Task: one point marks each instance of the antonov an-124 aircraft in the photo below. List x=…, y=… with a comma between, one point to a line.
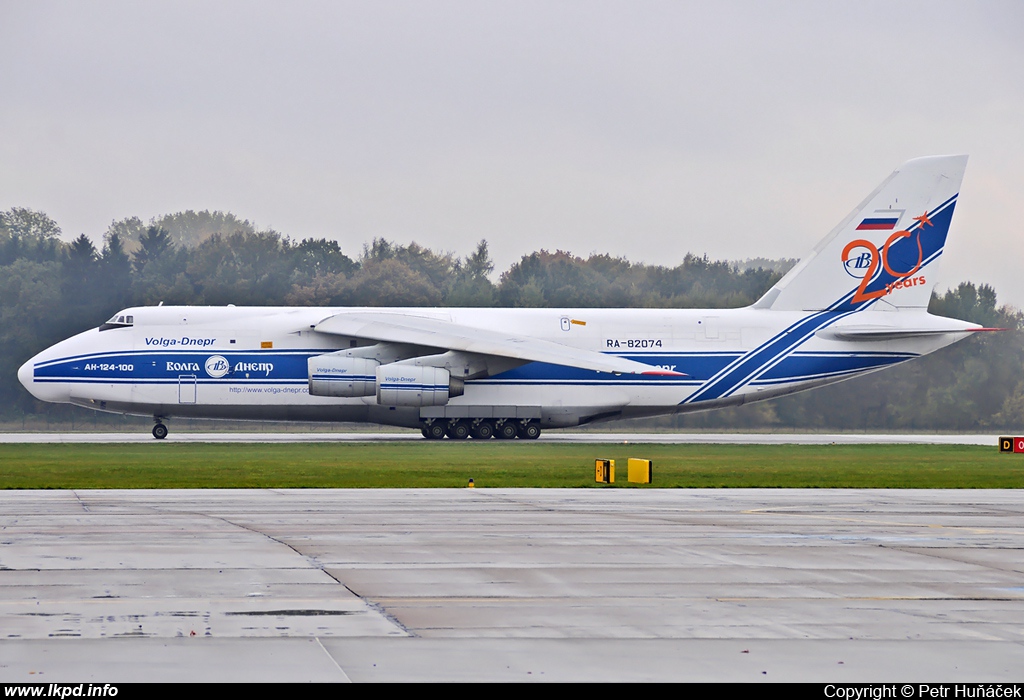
x=857, y=303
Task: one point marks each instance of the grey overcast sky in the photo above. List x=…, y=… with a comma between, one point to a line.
x=641, y=129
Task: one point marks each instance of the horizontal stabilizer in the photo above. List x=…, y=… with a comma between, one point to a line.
x=437, y=333
x=891, y=333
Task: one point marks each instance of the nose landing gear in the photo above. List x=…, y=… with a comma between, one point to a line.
x=159, y=430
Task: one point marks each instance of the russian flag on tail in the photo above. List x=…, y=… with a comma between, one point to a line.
x=882, y=220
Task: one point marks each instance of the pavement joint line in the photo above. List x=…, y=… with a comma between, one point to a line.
x=333, y=660
x=372, y=604
x=316, y=564
x=605, y=601
x=309, y=560
x=887, y=523
x=386, y=614
x=943, y=555
x=81, y=502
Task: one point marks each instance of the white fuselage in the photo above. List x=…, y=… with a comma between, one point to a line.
x=251, y=362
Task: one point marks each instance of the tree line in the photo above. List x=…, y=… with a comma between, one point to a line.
x=50, y=289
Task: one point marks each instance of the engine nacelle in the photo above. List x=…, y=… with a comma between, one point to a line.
x=333, y=375
x=408, y=385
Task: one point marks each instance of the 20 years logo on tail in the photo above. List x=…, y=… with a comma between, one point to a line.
x=862, y=258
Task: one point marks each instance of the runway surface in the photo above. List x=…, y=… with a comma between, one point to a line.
x=523, y=585
x=549, y=436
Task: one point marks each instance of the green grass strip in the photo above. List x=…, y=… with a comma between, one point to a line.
x=500, y=464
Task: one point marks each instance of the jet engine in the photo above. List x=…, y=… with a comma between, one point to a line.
x=336, y=375
x=408, y=385
x=395, y=384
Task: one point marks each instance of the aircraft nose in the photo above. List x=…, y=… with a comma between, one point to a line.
x=46, y=375
x=25, y=377
x=41, y=390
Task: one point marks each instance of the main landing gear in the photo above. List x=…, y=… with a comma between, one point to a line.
x=159, y=430
x=480, y=429
x=433, y=430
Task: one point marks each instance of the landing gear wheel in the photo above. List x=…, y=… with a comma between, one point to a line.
x=159, y=431
x=506, y=430
x=434, y=431
x=459, y=430
x=483, y=430
x=529, y=431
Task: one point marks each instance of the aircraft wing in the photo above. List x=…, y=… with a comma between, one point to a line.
x=437, y=333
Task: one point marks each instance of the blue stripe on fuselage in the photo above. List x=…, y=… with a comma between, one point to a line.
x=811, y=365
x=152, y=368
x=146, y=367
x=696, y=366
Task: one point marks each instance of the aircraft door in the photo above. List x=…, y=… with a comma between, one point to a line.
x=186, y=388
x=709, y=328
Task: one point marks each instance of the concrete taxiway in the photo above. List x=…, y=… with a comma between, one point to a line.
x=550, y=436
x=495, y=584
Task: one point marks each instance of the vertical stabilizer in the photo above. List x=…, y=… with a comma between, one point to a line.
x=886, y=250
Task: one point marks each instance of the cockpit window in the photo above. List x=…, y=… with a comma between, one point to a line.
x=118, y=321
